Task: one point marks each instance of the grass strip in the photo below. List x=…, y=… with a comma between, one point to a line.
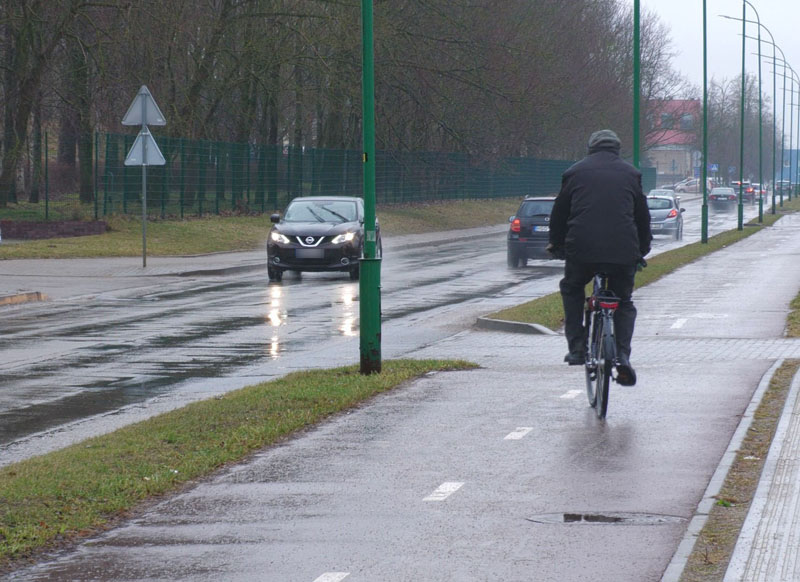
x=59, y=496
x=549, y=312
x=192, y=236
x=715, y=544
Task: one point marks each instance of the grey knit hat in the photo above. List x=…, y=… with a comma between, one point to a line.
x=605, y=138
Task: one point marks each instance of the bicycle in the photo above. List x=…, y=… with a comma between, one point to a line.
x=600, y=341
x=601, y=344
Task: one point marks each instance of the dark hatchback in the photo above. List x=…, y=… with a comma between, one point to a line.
x=723, y=198
x=318, y=233
x=529, y=231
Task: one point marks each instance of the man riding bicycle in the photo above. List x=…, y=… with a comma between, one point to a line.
x=600, y=223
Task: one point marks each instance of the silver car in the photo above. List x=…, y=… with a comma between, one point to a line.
x=666, y=217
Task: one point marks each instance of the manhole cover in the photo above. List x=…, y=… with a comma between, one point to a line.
x=606, y=518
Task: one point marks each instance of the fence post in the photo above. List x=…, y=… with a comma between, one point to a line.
x=46, y=180
x=183, y=175
x=96, y=164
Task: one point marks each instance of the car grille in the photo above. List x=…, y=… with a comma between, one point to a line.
x=309, y=241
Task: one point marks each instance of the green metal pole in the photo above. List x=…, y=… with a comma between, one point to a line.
x=760, y=125
x=791, y=136
x=797, y=156
x=637, y=80
x=370, y=267
x=704, y=209
x=46, y=180
x=96, y=164
x=774, y=121
x=783, y=126
x=740, y=223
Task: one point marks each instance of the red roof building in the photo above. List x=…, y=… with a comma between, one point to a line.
x=671, y=140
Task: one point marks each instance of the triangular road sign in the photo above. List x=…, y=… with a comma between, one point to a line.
x=144, y=151
x=143, y=110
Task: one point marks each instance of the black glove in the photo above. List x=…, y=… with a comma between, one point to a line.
x=556, y=252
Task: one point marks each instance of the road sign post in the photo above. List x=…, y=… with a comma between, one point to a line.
x=144, y=152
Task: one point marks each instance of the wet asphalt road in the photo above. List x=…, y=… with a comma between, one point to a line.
x=73, y=368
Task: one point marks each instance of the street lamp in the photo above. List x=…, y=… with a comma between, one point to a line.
x=704, y=208
x=760, y=125
x=370, y=266
x=637, y=80
x=774, y=105
x=792, y=106
x=740, y=222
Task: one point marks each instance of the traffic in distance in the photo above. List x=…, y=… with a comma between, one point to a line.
x=528, y=229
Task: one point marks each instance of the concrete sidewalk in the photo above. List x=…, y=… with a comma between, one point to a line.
x=733, y=302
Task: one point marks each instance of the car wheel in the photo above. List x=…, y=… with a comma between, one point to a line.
x=679, y=233
x=512, y=258
x=274, y=274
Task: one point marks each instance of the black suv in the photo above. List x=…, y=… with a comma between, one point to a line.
x=529, y=231
x=319, y=233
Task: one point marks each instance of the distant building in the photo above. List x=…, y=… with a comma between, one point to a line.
x=671, y=139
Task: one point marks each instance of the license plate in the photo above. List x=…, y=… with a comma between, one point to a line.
x=541, y=229
x=655, y=226
x=310, y=253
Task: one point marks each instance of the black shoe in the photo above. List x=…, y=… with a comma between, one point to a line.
x=626, y=375
x=575, y=359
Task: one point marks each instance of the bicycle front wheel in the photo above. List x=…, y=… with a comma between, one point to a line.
x=605, y=362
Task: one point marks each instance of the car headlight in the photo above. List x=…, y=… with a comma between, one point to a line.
x=278, y=237
x=343, y=238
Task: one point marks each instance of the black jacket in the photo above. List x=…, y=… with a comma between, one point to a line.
x=600, y=214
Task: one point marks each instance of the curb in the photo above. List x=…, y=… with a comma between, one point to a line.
x=513, y=326
x=22, y=298
x=221, y=271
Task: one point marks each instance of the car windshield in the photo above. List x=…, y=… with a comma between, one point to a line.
x=321, y=211
x=659, y=203
x=536, y=208
x=722, y=191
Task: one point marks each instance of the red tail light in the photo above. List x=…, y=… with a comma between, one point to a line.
x=672, y=213
x=515, y=225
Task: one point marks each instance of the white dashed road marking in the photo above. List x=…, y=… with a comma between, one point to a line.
x=444, y=491
x=520, y=432
x=571, y=394
x=679, y=324
x=332, y=577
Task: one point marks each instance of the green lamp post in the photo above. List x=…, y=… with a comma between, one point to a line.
x=370, y=267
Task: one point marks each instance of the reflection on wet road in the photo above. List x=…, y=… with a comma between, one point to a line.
x=66, y=361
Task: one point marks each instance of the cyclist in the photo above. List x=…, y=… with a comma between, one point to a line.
x=600, y=222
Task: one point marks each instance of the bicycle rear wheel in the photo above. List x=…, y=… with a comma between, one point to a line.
x=592, y=327
x=605, y=362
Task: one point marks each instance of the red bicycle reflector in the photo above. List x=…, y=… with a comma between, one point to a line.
x=515, y=225
x=608, y=304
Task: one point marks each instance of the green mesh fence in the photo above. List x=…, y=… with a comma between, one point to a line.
x=205, y=177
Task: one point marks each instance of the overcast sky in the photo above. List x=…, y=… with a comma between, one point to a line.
x=685, y=19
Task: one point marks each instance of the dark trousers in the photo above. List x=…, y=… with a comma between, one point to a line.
x=573, y=285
